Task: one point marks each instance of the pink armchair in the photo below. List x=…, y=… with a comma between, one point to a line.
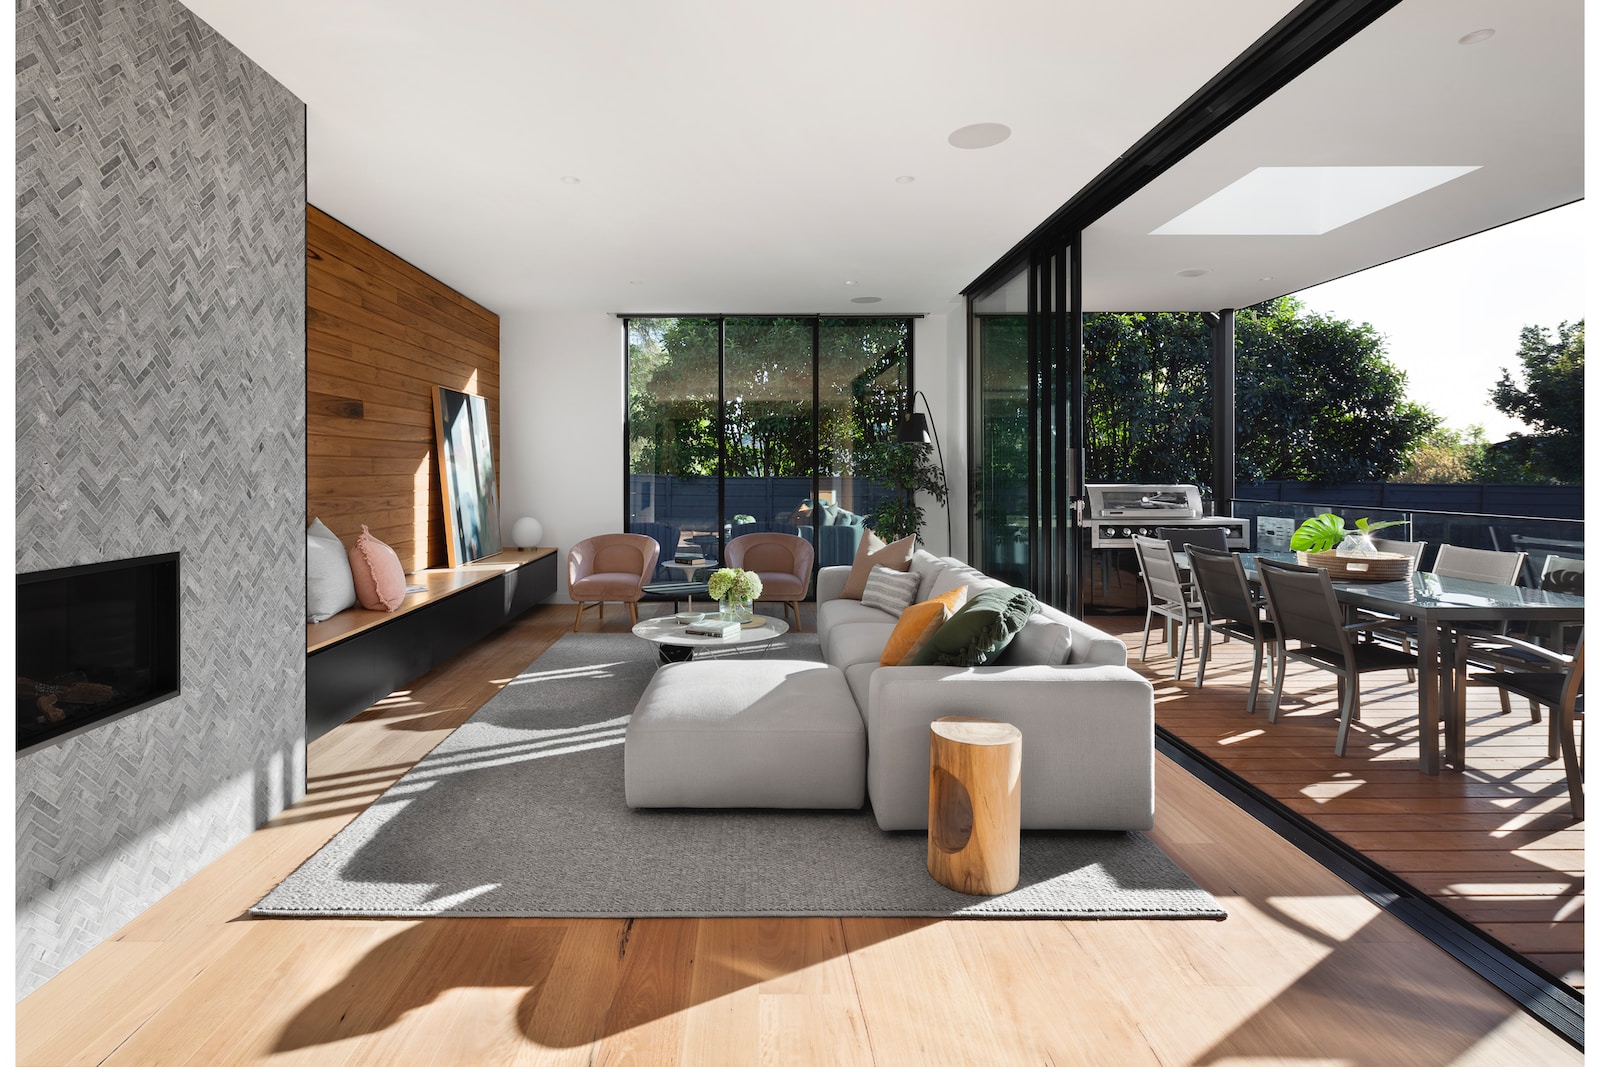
x=610, y=567
x=783, y=561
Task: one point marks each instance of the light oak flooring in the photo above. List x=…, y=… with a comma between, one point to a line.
x=1303, y=971
x=1495, y=843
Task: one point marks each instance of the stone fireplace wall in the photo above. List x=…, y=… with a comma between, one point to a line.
x=160, y=406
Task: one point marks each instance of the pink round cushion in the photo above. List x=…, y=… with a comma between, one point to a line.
x=380, y=580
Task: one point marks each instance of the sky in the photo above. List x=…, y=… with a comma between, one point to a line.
x=1452, y=315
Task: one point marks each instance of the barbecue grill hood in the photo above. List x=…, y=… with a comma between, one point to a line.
x=1133, y=501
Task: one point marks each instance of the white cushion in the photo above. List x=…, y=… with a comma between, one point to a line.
x=1041, y=641
x=859, y=675
x=857, y=642
x=956, y=575
x=831, y=613
x=330, y=587
x=745, y=733
x=926, y=566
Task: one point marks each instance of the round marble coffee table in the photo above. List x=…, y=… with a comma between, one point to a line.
x=673, y=645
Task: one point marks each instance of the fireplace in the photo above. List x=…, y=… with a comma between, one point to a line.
x=94, y=643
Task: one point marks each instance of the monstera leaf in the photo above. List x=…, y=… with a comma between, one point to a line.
x=1323, y=533
x=1320, y=533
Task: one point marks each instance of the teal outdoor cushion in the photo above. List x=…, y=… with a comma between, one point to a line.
x=978, y=632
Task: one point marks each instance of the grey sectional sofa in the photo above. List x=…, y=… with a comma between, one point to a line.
x=792, y=734
x=1087, y=721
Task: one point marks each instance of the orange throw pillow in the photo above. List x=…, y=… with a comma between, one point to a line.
x=917, y=622
x=874, y=553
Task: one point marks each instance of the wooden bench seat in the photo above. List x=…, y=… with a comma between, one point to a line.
x=358, y=657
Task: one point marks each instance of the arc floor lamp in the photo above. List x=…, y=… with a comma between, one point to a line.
x=915, y=429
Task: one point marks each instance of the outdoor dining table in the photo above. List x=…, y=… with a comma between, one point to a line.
x=1439, y=605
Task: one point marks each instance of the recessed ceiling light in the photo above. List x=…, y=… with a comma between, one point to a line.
x=905, y=179
x=851, y=283
x=980, y=135
x=1282, y=201
x=1476, y=36
x=866, y=299
x=1264, y=278
x=567, y=179
x=1193, y=272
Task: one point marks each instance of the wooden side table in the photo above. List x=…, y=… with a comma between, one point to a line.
x=975, y=804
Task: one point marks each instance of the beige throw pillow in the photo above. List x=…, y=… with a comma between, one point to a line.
x=874, y=553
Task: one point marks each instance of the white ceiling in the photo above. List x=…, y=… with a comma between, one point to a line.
x=1401, y=93
x=739, y=157
x=734, y=155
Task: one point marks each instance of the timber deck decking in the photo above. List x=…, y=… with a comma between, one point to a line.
x=1495, y=843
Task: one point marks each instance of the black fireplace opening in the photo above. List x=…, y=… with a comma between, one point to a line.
x=94, y=643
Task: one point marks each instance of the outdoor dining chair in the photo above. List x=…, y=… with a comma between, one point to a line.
x=1401, y=548
x=1559, y=576
x=1231, y=609
x=1181, y=537
x=1302, y=604
x=1479, y=564
x=1541, y=675
x=1473, y=564
x=1166, y=594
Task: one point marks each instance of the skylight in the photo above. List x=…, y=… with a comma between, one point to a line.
x=1305, y=200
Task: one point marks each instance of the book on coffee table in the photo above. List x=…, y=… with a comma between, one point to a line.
x=713, y=628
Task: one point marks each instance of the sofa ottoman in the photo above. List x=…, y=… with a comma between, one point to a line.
x=746, y=733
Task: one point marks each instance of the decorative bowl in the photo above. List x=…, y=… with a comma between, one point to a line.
x=688, y=618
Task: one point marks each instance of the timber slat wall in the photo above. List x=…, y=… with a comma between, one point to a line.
x=380, y=336
x=1495, y=843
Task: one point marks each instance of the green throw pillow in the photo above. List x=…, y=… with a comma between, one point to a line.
x=977, y=633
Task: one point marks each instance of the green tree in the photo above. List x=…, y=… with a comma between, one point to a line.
x=1316, y=398
x=1447, y=456
x=1549, y=398
x=765, y=392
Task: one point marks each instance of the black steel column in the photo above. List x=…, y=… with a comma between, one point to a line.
x=1073, y=413
x=1224, y=421
x=1035, y=344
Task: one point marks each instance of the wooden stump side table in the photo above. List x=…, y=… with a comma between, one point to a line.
x=975, y=804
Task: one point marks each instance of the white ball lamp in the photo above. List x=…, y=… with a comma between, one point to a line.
x=527, y=532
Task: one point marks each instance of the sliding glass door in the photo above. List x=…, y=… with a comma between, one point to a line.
x=1026, y=339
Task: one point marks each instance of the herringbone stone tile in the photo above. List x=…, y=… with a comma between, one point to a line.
x=160, y=406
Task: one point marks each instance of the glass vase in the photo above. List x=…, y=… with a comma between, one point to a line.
x=1357, y=544
x=736, y=609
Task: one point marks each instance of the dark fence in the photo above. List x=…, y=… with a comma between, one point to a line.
x=1529, y=501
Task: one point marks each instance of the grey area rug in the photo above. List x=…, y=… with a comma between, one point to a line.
x=520, y=813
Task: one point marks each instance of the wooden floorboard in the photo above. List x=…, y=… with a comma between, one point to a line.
x=1302, y=971
x=1462, y=837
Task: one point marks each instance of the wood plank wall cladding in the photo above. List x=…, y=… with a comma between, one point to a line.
x=380, y=336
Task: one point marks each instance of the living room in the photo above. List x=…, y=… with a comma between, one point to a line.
x=162, y=325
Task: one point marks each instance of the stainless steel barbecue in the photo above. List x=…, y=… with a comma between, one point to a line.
x=1118, y=512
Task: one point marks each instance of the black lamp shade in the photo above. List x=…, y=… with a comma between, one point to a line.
x=914, y=430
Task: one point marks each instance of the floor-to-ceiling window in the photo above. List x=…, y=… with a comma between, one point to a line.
x=743, y=424
x=1026, y=336
x=1001, y=520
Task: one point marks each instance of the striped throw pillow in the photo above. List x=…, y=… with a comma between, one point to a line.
x=891, y=591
